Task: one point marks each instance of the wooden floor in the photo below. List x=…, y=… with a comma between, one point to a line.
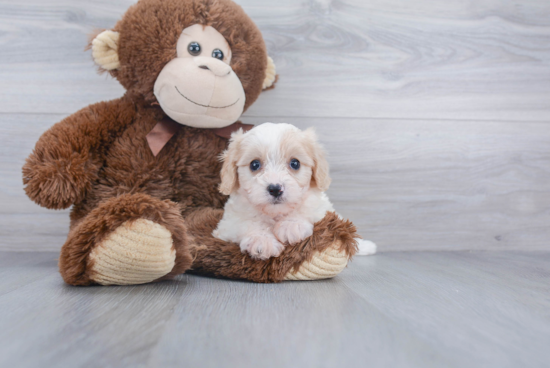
x=401, y=309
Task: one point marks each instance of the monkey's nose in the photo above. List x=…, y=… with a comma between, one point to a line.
x=217, y=67
x=275, y=190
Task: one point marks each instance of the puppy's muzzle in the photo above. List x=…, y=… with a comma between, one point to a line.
x=275, y=190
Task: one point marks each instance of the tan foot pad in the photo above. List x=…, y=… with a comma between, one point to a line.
x=137, y=252
x=323, y=265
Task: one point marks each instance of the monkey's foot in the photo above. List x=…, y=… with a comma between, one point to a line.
x=137, y=252
x=324, y=265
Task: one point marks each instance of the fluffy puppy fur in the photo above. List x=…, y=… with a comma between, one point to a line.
x=276, y=176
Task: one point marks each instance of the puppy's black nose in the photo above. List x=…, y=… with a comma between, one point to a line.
x=274, y=190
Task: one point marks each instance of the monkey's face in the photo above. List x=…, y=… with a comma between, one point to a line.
x=204, y=62
x=198, y=88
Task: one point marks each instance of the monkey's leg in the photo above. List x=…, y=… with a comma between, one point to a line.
x=323, y=255
x=130, y=239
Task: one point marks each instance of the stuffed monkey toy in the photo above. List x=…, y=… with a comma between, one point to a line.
x=142, y=172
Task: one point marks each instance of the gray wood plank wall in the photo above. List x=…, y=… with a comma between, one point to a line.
x=436, y=114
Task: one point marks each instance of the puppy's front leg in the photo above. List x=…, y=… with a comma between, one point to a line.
x=261, y=245
x=292, y=230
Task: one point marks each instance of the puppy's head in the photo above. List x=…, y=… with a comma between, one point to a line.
x=274, y=165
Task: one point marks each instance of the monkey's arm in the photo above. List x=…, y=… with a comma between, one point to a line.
x=67, y=157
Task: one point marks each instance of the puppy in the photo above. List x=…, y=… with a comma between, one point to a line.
x=276, y=176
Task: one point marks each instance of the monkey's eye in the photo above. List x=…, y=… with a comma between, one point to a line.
x=255, y=165
x=218, y=54
x=194, y=48
x=294, y=164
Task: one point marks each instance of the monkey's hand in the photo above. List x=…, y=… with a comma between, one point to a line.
x=57, y=183
x=66, y=159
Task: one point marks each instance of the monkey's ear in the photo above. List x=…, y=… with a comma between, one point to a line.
x=105, y=50
x=270, y=74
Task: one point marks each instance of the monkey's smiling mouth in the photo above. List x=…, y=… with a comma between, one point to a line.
x=214, y=107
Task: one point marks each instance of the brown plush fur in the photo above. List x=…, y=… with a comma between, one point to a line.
x=215, y=257
x=108, y=216
x=152, y=27
x=98, y=159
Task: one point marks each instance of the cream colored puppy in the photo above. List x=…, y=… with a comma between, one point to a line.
x=276, y=176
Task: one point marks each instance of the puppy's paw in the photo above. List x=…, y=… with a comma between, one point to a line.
x=293, y=231
x=261, y=246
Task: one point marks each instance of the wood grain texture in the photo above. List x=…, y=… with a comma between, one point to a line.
x=407, y=185
x=435, y=115
x=482, y=60
x=412, y=309
x=429, y=185
x=436, y=118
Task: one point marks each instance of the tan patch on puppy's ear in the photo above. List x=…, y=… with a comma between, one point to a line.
x=229, y=177
x=270, y=74
x=321, y=177
x=105, y=50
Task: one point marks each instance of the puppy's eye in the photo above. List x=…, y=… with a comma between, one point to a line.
x=194, y=48
x=294, y=164
x=255, y=165
x=218, y=54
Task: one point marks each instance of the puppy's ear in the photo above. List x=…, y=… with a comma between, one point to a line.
x=229, y=169
x=321, y=177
